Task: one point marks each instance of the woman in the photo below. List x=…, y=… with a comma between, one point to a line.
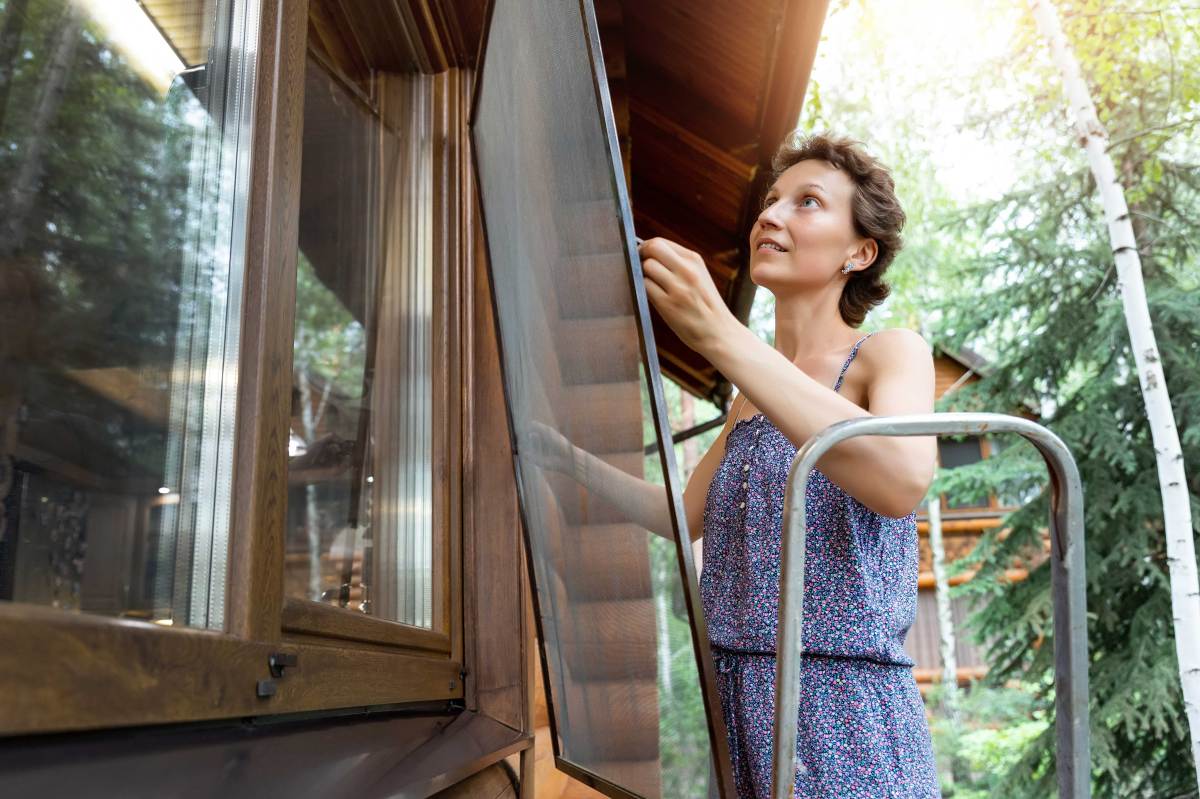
x=828, y=229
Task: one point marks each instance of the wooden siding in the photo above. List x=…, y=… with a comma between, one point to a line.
x=923, y=642
x=948, y=373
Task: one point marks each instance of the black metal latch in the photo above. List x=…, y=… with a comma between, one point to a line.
x=277, y=662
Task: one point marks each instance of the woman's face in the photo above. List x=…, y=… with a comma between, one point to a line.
x=806, y=214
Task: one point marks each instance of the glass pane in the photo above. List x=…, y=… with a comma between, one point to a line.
x=360, y=518
x=626, y=693
x=123, y=139
x=953, y=453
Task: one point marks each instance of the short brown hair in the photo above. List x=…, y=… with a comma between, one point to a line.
x=875, y=210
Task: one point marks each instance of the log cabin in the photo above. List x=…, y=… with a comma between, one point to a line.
x=963, y=523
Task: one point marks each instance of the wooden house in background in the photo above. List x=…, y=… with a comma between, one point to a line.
x=963, y=523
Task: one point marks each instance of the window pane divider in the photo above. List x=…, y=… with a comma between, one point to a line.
x=314, y=618
x=255, y=598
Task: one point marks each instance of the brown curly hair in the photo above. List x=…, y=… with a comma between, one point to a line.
x=875, y=210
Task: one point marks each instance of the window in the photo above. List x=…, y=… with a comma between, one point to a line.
x=953, y=453
x=120, y=276
x=360, y=534
x=360, y=486
x=151, y=178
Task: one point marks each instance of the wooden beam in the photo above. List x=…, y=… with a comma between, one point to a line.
x=964, y=674
x=785, y=85
x=925, y=581
x=961, y=526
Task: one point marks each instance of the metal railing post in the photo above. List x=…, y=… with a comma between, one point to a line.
x=1067, y=584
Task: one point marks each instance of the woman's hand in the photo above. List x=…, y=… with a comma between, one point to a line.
x=683, y=292
x=639, y=501
x=550, y=449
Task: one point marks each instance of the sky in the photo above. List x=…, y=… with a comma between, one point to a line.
x=912, y=79
x=897, y=59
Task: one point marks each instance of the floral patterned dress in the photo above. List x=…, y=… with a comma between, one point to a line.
x=861, y=728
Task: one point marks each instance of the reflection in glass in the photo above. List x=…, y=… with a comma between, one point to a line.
x=953, y=453
x=121, y=239
x=620, y=650
x=360, y=465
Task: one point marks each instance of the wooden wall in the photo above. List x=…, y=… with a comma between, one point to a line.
x=961, y=531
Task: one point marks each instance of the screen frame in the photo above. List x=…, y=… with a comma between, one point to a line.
x=720, y=759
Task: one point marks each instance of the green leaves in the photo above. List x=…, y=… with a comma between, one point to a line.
x=1024, y=275
x=1051, y=320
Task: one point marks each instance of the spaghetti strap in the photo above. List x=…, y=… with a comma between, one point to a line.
x=850, y=360
x=841, y=375
x=742, y=397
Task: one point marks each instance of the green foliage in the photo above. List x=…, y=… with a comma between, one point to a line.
x=1041, y=298
x=684, y=744
x=330, y=342
x=1017, y=267
x=985, y=740
x=100, y=244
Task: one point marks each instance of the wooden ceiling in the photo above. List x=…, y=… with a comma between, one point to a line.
x=186, y=25
x=714, y=87
x=703, y=91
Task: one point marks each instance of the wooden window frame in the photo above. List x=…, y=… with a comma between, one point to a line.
x=67, y=671
x=302, y=618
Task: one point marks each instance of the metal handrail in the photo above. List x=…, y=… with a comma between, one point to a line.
x=1067, y=584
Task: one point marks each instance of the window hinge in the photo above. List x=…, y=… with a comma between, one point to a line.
x=276, y=662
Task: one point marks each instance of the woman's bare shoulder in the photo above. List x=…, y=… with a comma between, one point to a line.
x=896, y=345
x=899, y=373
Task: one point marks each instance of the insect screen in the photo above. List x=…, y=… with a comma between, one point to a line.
x=632, y=700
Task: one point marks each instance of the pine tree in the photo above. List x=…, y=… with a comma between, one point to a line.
x=1045, y=306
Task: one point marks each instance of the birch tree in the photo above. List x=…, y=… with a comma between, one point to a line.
x=1181, y=554
x=944, y=610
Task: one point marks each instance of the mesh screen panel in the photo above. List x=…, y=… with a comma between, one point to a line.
x=613, y=586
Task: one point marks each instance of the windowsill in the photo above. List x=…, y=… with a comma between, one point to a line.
x=396, y=753
x=80, y=671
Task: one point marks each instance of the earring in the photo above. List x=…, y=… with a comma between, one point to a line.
x=849, y=266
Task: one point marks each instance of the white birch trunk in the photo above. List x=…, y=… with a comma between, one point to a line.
x=664, y=641
x=1177, y=516
x=944, y=611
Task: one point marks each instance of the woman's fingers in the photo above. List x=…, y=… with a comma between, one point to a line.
x=664, y=248
x=655, y=293
x=658, y=253
x=675, y=262
x=656, y=271
x=657, y=283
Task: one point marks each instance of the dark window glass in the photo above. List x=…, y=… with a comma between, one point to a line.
x=953, y=453
x=123, y=137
